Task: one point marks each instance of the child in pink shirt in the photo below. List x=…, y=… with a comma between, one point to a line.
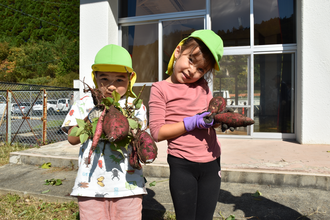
x=177, y=107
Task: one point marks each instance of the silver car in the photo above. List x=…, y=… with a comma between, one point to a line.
x=23, y=107
x=38, y=107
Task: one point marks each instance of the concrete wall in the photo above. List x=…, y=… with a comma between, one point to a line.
x=313, y=72
x=98, y=27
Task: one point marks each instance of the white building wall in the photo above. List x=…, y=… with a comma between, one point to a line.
x=98, y=27
x=313, y=72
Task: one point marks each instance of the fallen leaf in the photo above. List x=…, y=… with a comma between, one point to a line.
x=256, y=194
x=46, y=191
x=231, y=217
x=153, y=183
x=46, y=165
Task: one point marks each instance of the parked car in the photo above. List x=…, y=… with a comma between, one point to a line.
x=63, y=105
x=51, y=107
x=3, y=103
x=23, y=107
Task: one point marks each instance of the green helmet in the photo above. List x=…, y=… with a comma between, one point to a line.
x=211, y=40
x=113, y=58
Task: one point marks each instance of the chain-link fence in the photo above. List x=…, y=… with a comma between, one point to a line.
x=33, y=114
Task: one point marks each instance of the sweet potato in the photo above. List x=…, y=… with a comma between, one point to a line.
x=216, y=106
x=233, y=119
x=147, y=148
x=115, y=125
x=134, y=157
x=97, y=135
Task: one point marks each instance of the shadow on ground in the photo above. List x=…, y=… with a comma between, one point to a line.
x=259, y=207
x=154, y=210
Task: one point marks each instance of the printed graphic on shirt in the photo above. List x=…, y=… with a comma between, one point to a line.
x=115, y=174
x=115, y=191
x=97, y=150
x=100, y=162
x=100, y=181
x=71, y=112
x=67, y=123
x=84, y=97
x=116, y=159
x=83, y=185
x=81, y=110
x=130, y=185
x=130, y=171
x=102, y=195
x=86, y=161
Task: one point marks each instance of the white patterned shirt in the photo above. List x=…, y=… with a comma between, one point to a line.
x=109, y=174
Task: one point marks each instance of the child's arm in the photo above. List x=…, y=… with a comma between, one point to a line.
x=74, y=140
x=169, y=131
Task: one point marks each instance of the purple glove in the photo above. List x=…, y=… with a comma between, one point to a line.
x=197, y=121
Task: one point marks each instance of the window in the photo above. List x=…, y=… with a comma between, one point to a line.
x=143, y=48
x=274, y=88
x=232, y=81
x=231, y=21
x=274, y=22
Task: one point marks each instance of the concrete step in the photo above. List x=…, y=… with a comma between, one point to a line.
x=303, y=166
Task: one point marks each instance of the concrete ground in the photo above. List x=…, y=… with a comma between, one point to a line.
x=293, y=179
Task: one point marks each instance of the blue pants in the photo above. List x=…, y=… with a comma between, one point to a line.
x=194, y=188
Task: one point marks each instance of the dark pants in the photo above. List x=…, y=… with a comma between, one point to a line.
x=194, y=188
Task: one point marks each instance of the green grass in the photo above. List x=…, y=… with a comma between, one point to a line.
x=13, y=206
x=5, y=150
x=50, y=124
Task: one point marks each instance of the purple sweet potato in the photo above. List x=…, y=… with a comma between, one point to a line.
x=233, y=119
x=115, y=125
x=147, y=148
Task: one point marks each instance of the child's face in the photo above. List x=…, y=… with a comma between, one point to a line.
x=112, y=81
x=190, y=65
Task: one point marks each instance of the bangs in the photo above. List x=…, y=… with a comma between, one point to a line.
x=207, y=57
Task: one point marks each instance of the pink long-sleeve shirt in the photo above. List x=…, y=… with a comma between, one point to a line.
x=170, y=103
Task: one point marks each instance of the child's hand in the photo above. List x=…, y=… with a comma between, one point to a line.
x=224, y=127
x=197, y=121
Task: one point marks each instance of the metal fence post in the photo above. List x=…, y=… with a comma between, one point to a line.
x=8, y=127
x=44, y=119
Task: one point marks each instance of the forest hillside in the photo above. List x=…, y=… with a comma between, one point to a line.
x=39, y=41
